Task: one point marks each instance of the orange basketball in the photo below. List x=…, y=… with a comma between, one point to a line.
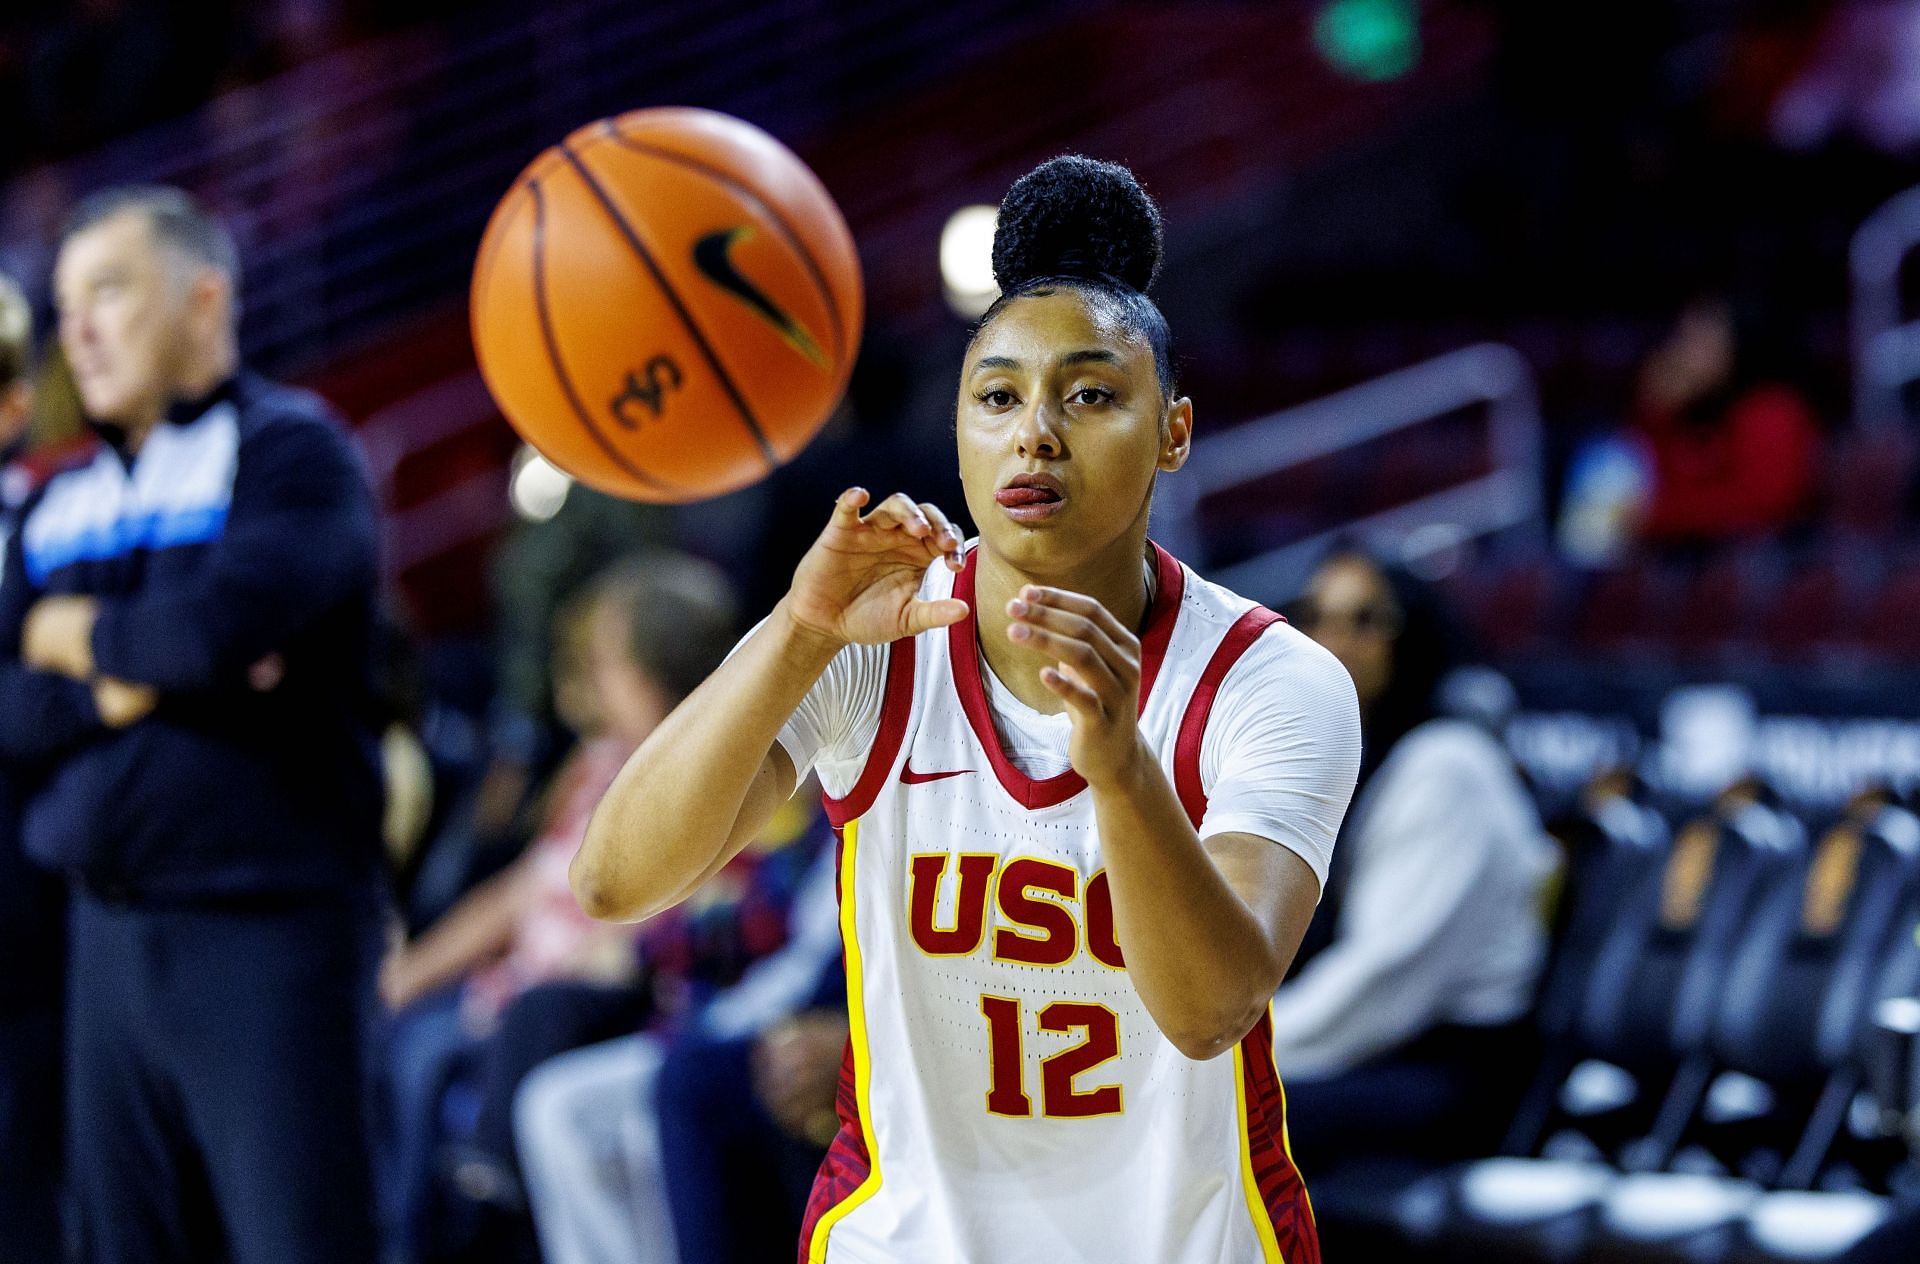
x=667, y=304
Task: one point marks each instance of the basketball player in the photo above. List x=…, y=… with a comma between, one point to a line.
x=1086, y=802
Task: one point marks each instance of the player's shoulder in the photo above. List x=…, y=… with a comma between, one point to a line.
x=1280, y=654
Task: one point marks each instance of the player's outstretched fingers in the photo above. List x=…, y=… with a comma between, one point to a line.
x=946, y=537
x=900, y=512
x=847, y=506
x=1091, y=609
x=1072, y=690
x=1082, y=655
x=1042, y=620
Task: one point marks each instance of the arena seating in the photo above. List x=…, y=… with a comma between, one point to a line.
x=1711, y=1053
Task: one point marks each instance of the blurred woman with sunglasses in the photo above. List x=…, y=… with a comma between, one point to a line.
x=1405, y=1033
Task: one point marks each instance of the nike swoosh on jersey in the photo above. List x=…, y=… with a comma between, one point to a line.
x=712, y=255
x=911, y=778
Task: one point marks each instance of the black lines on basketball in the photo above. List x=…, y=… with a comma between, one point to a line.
x=746, y=194
x=686, y=317
x=544, y=310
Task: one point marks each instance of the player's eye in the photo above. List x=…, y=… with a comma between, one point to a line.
x=1092, y=396
x=996, y=398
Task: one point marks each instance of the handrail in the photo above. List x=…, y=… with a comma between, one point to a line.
x=358, y=182
x=1490, y=374
x=1885, y=354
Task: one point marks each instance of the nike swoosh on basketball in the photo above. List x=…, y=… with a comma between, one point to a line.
x=711, y=254
x=911, y=778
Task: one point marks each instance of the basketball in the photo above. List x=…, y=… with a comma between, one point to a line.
x=667, y=304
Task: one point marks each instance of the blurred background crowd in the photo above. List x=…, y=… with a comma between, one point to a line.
x=1553, y=364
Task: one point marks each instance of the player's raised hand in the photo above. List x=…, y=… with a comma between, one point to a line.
x=1096, y=672
x=857, y=583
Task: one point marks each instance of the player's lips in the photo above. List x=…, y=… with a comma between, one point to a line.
x=1032, y=497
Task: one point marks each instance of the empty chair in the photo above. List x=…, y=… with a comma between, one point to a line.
x=1643, y=1025
x=1613, y=844
x=1788, y=1016
x=1891, y=627
x=1869, y=478
x=1627, y=611
x=1816, y=609
x=1717, y=604
x=1513, y=604
x=1818, y=1227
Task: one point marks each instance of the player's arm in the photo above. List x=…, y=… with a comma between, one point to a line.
x=1210, y=926
x=708, y=779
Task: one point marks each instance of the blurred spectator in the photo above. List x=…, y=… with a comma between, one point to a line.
x=647, y=1150
x=1735, y=451
x=540, y=563
x=31, y=902
x=1403, y=1031
x=516, y=973
x=194, y=601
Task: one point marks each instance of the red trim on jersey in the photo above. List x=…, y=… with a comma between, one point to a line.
x=1193, y=725
x=847, y=1163
x=1282, y=1192
x=963, y=639
x=896, y=706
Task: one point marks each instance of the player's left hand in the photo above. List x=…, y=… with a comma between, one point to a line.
x=58, y=636
x=1096, y=672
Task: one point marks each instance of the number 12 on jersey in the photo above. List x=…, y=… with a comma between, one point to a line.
x=1059, y=1099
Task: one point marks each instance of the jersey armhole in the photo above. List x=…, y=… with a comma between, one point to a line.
x=896, y=705
x=1193, y=724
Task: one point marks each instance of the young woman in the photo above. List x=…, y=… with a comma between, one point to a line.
x=1409, y=1032
x=1086, y=803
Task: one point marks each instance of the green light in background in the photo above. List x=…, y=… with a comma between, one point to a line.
x=1374, y=40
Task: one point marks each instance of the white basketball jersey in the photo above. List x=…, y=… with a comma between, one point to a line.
x=1006, y=1096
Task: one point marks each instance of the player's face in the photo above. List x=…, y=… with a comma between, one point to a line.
x=1350, y=609
x=124, y=303
x=1061, y=427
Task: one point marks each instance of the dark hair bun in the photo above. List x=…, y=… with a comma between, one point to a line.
x=1077, y=217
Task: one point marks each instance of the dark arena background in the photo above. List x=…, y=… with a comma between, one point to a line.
x=1586, y=326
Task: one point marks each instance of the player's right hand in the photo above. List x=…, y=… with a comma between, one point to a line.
x=856, y=585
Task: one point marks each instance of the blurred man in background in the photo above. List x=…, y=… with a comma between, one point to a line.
x=193, y=605
x=30, y=901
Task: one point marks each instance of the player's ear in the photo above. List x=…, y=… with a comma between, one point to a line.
x=1176, y=434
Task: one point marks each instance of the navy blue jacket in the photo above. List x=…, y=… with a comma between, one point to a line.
x=241, y=530
x=32, y=932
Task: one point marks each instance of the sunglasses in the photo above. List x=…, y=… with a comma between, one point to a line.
x=1377, y=619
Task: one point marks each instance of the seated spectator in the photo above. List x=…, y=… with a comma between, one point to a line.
x=32, y=903
x=1733, y=451
x=1402, y=1031
x=652, y=1148
x=515, y=972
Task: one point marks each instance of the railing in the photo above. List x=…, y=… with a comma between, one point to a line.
x=1508, y=496
x=358, y=183
x=1886, y=342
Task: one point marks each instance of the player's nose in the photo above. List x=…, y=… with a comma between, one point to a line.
x=1038, y=432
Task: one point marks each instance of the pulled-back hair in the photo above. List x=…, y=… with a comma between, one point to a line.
x=1078, y=223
